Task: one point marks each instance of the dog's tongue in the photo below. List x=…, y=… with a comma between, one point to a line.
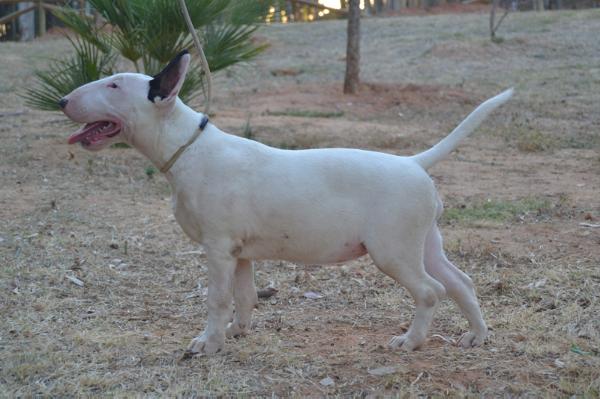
x=86, y=131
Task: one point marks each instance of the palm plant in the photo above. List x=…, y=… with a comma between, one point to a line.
x=149, y=33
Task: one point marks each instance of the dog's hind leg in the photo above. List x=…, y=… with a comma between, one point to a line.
x=407, y=268
x=245, y=298
x=458, y=285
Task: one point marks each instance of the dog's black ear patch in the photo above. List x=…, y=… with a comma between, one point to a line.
x=165, y=81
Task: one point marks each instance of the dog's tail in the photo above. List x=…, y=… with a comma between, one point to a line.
x=439, y=151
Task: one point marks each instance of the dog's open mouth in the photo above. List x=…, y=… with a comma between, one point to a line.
x=95, y=133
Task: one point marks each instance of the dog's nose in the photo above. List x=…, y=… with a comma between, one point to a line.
x=63, y=103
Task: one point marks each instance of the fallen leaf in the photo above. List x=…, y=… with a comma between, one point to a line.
x=498, y=285
x=386, y=370
x=358, y=281
x=285, y=72
x=74, y=280
x=445, y=339
x=540, y=283
x=327, y=382
x=312, y=295
x=267, y=292
x=536, y=284
x=578, y=350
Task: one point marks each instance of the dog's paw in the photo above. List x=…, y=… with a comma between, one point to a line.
x=471, y=339
x=204, y=345
x=406, y=342
x=234, y=330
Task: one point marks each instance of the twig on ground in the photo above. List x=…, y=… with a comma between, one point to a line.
x=417, y=379
x=199, y=252
x=75, y=280
x=591, y=225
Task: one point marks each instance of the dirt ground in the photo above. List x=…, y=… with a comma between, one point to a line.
x=522, y=219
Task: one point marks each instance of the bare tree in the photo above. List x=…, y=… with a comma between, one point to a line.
x=369, y=7
x=538, y=5
x=493, y=25
x=289, y=11
x=277, y=12
x=26, y=23
x=394, y=5
x=353, y=48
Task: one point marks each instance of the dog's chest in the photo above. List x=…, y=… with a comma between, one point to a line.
x=184, y=215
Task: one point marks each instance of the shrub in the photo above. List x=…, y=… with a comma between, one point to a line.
x=149, y=33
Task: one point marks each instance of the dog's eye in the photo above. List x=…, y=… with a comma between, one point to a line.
x=113, y=86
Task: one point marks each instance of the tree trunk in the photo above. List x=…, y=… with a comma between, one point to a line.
x=277, y=12
x=493, y=25
x=41, y=22
x=369, y=7
x=289, y=10
x=493, y=19
x=26, y=23
x=539, y=5
x=353, y=48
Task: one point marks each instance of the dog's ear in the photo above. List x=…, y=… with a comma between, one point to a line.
x=165, y=86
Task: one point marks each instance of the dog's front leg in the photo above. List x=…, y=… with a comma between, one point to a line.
x=245, y=298
x=221, y=269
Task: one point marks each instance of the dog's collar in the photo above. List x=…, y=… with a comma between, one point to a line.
x=181, y=149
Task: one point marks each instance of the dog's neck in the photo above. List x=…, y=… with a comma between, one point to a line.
x=164, y=137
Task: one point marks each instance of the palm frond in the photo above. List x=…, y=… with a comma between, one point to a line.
x=149, y=33
x=247, y=12
x=125, y=19
x=85, y=28
x=194, y=80
x=88, y=64
x=226, y=45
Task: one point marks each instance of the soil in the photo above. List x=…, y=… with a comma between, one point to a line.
x=105, y=219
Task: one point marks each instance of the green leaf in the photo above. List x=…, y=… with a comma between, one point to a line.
x=149, y=33
x=226, y=45
x=247, y=12
x=576, y=349
x=88, y=64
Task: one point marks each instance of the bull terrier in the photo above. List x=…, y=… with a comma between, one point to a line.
x=245, y=201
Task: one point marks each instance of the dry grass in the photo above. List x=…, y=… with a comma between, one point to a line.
x=519, y=191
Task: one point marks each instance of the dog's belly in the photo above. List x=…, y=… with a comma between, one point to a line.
x=326, y=250
x=351, y=251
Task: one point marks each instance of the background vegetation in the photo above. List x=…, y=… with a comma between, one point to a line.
x=147, y=34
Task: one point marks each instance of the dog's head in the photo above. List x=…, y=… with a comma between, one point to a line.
x=121, y=107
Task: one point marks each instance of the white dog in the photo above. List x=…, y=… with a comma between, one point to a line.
x=246, y=201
